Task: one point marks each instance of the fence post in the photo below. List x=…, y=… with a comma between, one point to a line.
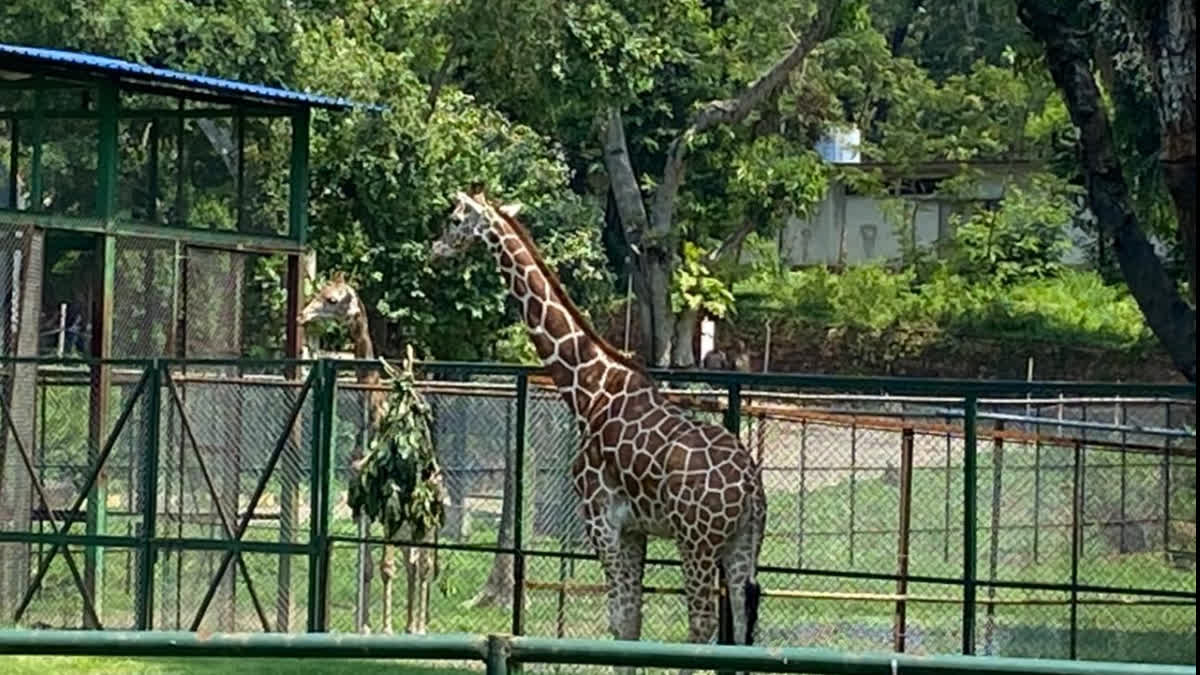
x=145, y=586
x=1037, y=489
x=853, y=502
x=326, y=485
x=906, y=467
x=1076, y=544
x=800, y=495
x=994, y=544
x=1166, y=482
x=946, y=500
x=318, y=479
x=518, y=601
x=969, y=495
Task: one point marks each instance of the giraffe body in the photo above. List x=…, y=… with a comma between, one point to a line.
x=643, y=468
x=338, y=301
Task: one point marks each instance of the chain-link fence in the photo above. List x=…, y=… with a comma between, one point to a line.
x=1078, y=539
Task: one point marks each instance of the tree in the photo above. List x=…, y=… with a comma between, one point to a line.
x=650, y=232
x=1064, y=31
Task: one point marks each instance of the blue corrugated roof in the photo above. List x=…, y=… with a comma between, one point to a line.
x=149, y=74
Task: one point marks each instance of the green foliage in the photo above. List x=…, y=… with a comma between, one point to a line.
x=397, y=481
x=1025, y=237
x=511, y=96
x=1075, y=306
x=696, y=288
x=774, y=179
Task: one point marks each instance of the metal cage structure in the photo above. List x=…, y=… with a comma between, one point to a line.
x=144, y=213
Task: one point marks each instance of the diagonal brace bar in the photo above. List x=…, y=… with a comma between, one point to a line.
x=27, y=459
x=280, y=443
x=109, y=444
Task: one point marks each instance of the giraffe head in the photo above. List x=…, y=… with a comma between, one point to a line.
x=471, y=218
x=336, y=301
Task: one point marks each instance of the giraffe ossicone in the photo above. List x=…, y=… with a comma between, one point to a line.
x=643, y=467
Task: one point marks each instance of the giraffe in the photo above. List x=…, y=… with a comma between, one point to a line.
x=643, y=468
x=338, y=301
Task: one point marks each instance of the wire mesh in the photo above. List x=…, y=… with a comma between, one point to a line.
x=233, y=303
x=145, y=298
x=1080, y=532
x=230, y=457
x=67, y=451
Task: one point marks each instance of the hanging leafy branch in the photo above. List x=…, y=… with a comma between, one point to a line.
x=397, y=482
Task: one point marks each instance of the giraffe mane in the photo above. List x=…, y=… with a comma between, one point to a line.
x=552, y=279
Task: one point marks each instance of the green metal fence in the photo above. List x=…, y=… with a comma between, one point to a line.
x=1048, y=520
x=502, y=653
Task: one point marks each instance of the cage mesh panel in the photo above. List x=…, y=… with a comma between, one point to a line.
x=10, y=284
x=213, y=295
x=1023, y=630
x=266, y=176
x=62, y=462
x=1146, y=633
x=144, y=297
x=68, y=166
x=553, y=440
x=236, y=426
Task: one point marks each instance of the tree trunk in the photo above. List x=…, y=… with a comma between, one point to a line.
x=497, y=590
x=1063, y=33
x=651, y=235
x=682, y=355
x=1172, y=59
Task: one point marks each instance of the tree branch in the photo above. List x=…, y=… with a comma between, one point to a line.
x=625, y=189
x=732, y=111
x=732, y=242
x=439, y=78
x=1063, y=31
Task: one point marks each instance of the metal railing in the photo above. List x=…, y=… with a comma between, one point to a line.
x=500, y=653
x=909, y=514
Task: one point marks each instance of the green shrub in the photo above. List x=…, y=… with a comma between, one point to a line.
x=1072, y=306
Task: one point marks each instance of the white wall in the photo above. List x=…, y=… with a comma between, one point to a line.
x=869, y=236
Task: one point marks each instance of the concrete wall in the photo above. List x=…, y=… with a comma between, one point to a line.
x=858, y=223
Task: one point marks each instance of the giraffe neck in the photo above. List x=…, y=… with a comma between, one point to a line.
x=364, y=348
x=582, y=369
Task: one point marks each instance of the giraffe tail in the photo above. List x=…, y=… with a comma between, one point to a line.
x=753, y=594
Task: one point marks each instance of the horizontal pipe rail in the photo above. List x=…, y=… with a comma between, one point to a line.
x=804, y=660
x=500, y=652
x=957, y=387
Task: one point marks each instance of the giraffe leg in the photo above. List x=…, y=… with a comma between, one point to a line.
x=622, y=555
x=699, y=580
x=740, y=563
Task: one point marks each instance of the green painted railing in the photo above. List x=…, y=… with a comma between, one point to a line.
x=502, y=652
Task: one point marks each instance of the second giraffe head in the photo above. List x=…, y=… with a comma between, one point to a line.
x=471, y=218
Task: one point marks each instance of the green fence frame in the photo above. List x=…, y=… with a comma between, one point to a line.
x=321, y=385
x=501, y=653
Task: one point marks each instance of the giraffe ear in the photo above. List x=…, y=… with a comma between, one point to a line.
x=339, y=277
x=511, y=210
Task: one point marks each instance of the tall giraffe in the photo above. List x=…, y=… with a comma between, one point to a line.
x=338, y=301
x=643, y=468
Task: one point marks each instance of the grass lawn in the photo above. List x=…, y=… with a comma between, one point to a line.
x=86, y=665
